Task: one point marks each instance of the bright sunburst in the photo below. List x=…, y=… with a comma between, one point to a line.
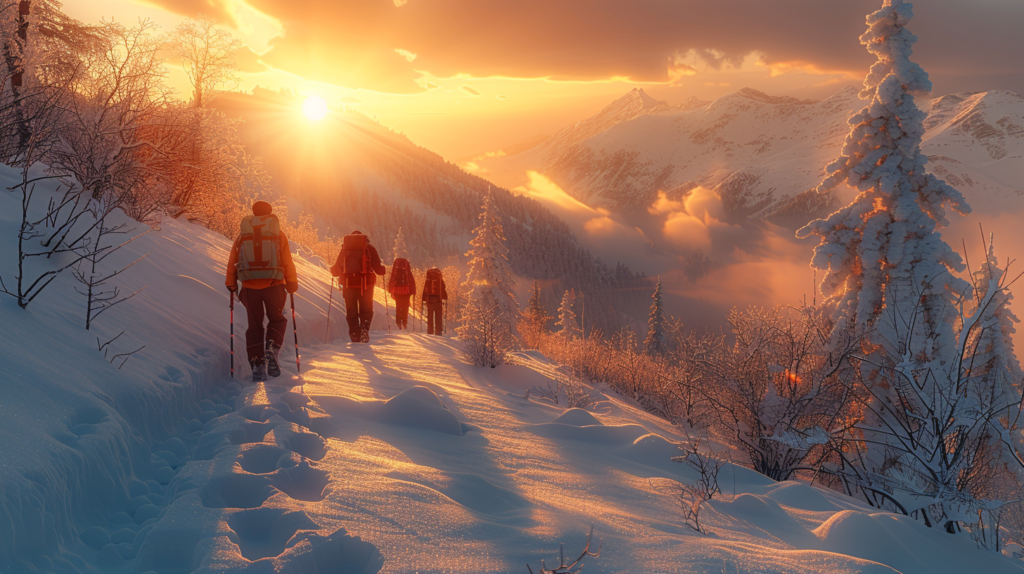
x=314, y=108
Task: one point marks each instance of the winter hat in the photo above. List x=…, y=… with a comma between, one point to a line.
x=357, y=232
x=261, y=208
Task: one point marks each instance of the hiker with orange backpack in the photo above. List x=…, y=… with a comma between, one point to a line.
x=435, y=293
x=402, y=286
x=357, y=266
x=260, y=259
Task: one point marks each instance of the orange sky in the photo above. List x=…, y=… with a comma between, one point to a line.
x=465, y=77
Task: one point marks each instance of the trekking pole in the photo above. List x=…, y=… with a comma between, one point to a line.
x=295, y=333
x=387, y=307
x=444, y=327
x=330, y=303
x=232, y=334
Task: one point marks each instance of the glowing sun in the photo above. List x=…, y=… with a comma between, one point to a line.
x=314, y=108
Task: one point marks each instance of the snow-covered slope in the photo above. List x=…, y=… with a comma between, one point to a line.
x=395, y=455
x=762, y=154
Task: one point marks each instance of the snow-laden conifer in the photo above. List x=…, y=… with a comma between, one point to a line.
x=567, y=325
x=491, y=312
x=489, y=281
x=882, y=250
x=656, y=342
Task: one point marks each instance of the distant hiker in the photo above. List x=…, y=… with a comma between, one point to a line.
x=358, y=265
x=435, y=293
x=260, y=259
x=402, y=286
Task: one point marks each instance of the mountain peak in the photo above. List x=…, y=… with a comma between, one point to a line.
x=636, y=98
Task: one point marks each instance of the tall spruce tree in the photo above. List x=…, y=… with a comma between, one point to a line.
x=889, y=278
x=567, y=325
x=656, y=343
x=489, y=281
x=881, y=254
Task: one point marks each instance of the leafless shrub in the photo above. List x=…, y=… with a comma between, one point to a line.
x=705, y=488
x=576, y=565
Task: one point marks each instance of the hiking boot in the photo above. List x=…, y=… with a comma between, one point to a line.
x=365, y=338
x=259, y=371
x=273, y=365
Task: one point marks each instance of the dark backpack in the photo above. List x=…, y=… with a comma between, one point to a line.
x=401, y=277
x=433, y=282
x=355, y=260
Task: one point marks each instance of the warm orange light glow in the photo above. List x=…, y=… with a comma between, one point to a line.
x=314, y=108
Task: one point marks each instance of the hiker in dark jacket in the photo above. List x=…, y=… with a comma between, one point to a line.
x=261, y=260
x=357, y=266
x=402, y=286
x=435, y=293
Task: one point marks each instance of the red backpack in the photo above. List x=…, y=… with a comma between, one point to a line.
x=401, y=277
x=355, y=261
x=433, y=282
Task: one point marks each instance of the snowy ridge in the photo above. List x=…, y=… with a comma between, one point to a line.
x=762, y=154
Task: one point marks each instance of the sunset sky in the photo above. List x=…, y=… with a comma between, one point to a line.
x=466, y=77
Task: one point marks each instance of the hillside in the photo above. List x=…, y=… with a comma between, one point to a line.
x=762, y=154
x=396, y=456
x=351, y=172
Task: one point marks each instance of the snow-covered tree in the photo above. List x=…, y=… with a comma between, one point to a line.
x=889, y=278
x=491, y=311
x=656, y=343
x=489, y=280
x=400, y=251
x=996, y=372
x=567, y=325
x=881, y=253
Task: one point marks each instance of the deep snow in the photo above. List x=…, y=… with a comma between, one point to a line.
x=395, y=455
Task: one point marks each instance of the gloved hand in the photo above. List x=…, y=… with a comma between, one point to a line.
x=291, y=287
x=233, y=288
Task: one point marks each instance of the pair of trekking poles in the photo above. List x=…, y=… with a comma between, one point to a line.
x=295, y=334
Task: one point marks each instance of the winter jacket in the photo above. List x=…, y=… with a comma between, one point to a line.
x=375, y=265
x=284, y=256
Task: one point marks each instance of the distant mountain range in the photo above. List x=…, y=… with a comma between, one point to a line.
x=763, y=155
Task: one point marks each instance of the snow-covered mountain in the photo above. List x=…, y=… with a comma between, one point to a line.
x=762, y=154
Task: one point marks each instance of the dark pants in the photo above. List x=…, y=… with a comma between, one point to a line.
x=402, y=310
x=359, y=313
x=257, y=302
x=435, y=309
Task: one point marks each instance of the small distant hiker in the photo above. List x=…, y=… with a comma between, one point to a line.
x=260, y=259
x=358, y=265
x=435, y=293
x=402, y=286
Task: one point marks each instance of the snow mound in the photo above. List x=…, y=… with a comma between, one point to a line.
x=419, y=407
x=597, y=434
x=577, y=418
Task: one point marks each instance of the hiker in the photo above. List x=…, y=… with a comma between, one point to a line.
x=261, y=261
x=402, y=286
x=358, y=265
x=434, y=295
